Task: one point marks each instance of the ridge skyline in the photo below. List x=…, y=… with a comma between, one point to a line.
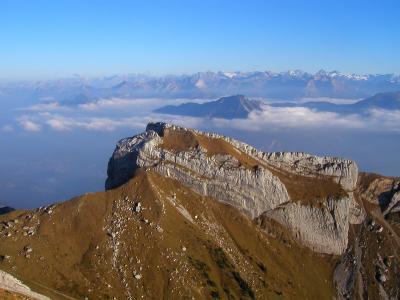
x=227, y=73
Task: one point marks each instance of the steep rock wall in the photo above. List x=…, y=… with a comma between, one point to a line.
x=251, y=180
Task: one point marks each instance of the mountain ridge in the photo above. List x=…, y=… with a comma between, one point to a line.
x=266, y=176
x=191, y=214
x=230, y=107
x=239, y=107
x=264, y=84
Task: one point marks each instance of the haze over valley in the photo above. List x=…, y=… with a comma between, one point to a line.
x=63, y=130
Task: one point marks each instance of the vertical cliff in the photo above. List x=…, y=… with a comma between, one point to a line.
x=311, y=196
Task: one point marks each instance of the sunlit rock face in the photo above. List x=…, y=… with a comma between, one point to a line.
x=310, y=196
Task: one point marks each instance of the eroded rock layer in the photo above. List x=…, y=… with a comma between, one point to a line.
x=311, y=196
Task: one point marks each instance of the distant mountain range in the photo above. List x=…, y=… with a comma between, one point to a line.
x=238, y=107
x=232, y=107
x=388, y=101
x=280, y=86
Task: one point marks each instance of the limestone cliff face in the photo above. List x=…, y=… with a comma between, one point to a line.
x=311, y=196
x=342, y=171
x=381, y=191
x=371, y=254
x=316, y=227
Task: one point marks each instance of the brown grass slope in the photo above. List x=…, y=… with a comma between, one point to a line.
x=178, y=246
x=7, y=295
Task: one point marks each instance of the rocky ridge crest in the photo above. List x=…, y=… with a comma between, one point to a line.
x=310, y=196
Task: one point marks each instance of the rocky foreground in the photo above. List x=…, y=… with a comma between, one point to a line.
x=195, y=215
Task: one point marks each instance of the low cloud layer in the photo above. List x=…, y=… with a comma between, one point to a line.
x=110, y=103
x=118, y=103
x=269, y=118
x=113, y=114
x=300, y=117
x=59, y=122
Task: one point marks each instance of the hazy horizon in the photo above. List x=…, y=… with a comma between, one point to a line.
x=77, y=75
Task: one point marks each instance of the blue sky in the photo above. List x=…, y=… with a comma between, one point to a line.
x=45, y=39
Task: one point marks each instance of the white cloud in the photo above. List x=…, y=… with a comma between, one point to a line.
x=292, y=117
x=29, y=125
x=270, y=118
x=144, y=105
x=58, y=124
x=300, y=117
x=122, y=103
x=107, y=103
x=61, y=123
x=385, y=118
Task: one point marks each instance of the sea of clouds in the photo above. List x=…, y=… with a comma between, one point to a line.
x=113, y=114
x=53, y=152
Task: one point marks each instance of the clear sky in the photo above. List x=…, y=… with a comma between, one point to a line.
x=44, y=39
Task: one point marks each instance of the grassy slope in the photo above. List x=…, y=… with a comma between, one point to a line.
x=218, y=254
x=7, y=295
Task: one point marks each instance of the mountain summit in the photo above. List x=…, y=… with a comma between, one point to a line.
x=232, y=107
x=278, y=186
x=195, y=215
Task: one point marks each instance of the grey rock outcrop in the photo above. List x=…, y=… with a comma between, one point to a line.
x=380, y=190
x=316, y=227
x=357, y=213
x=246, y=178
x=342, y=171
x=218, y=176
